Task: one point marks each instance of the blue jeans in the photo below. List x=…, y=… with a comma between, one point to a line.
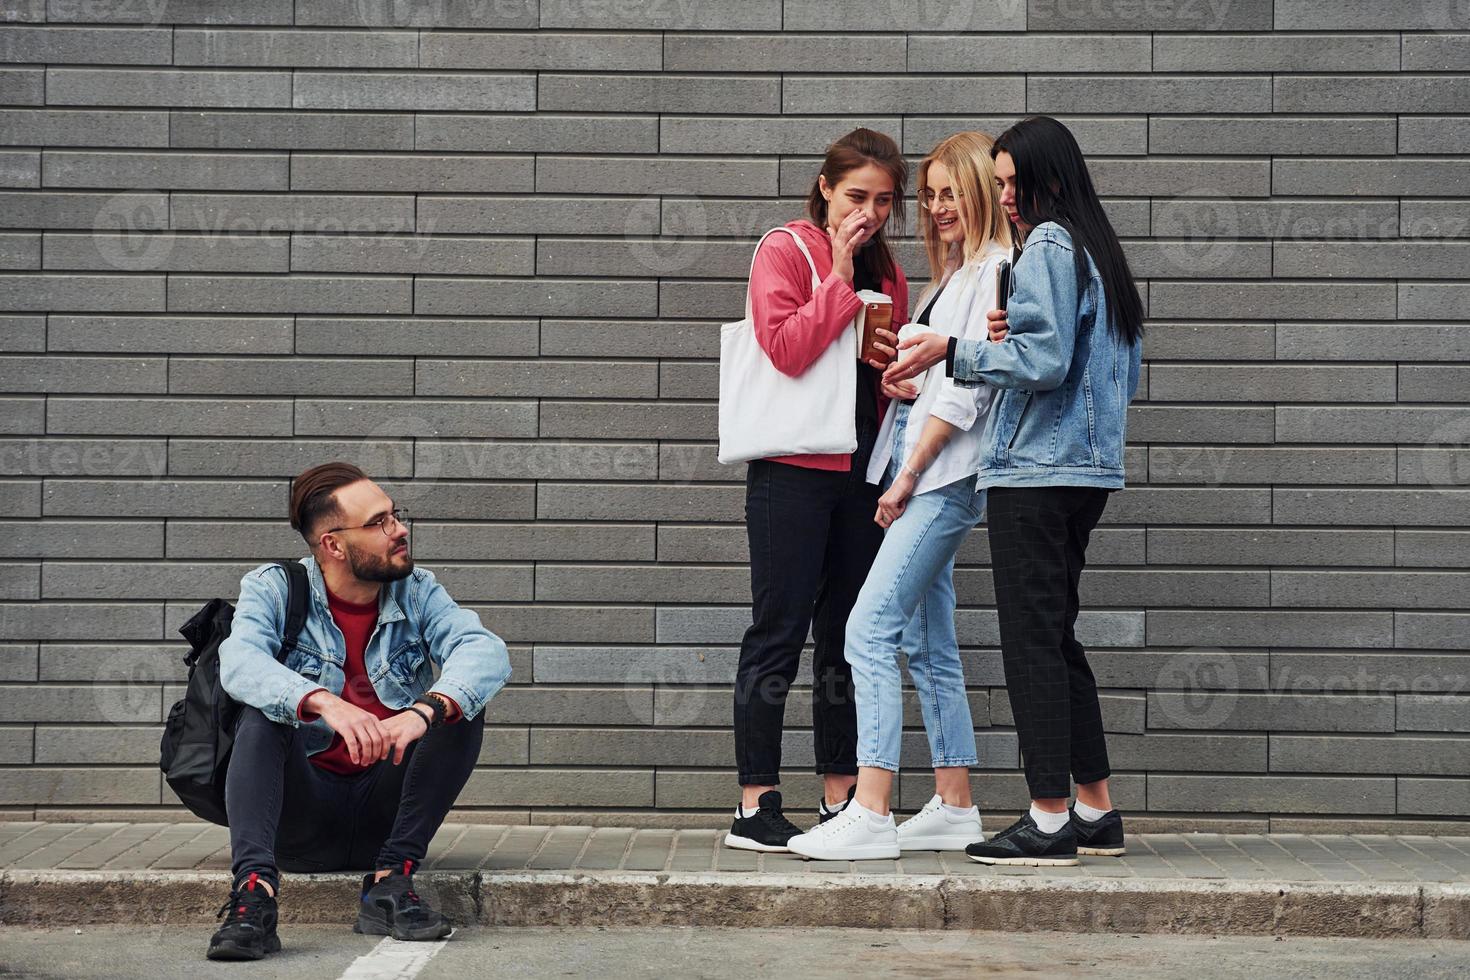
x=908, y=602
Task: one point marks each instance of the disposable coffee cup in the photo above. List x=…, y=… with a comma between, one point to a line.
x=904, y=333
x=876, y=314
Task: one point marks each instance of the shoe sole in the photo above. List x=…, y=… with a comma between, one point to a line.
x=375, y=927
x=746, y=844
x=953, y=843
x=1028, y=862
x=872, y=852
x=231, y=952
x=1103, y=851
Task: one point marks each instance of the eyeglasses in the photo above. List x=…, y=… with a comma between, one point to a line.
x=398, y=516
x=943, y=201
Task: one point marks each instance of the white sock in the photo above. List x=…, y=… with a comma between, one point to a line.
x=741, y=811
x=1049, y=823
x=1089, y=813
x=958, y=811
x=833, y=807
x=863, y=811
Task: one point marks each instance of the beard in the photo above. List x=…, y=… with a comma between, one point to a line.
x=376, y=568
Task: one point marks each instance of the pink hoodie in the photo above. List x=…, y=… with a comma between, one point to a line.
x=794, y=324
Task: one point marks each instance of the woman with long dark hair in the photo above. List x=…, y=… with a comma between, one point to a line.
x=1065, y=358
x=809, y=518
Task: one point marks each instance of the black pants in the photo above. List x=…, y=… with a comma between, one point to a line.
x=1038, y=541
x=286, y=813
x=812, y=542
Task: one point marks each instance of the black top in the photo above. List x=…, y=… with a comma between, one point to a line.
x=924, y=317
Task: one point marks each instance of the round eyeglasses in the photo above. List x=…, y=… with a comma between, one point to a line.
x=397, y=517
x=943, y=201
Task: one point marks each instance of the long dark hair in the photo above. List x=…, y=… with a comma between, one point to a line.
x=1052, y=184
x=858, y=149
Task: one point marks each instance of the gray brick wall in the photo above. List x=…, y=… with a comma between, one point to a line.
x=482, y=247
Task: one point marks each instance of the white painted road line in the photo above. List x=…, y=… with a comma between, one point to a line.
x=392, y=960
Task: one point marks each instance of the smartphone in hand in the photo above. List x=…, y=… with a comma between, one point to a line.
x=1003, y=284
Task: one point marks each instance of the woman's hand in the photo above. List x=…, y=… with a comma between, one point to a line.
x=895, y=500
x=925, y=350
x=903, y=391
x=885, y=342
x=847, y=239
x=998, y=325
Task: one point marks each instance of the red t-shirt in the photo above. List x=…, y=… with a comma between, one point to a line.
x=356, y=623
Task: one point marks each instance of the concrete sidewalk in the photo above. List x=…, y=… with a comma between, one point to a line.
x=1285, y=884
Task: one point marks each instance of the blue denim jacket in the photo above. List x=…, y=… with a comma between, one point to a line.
x=1064, y=379
x=419, y=628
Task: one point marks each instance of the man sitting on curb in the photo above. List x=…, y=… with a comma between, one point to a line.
x=350, y=754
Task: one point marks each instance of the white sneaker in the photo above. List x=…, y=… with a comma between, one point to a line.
x=855, y=834
x=935, y=828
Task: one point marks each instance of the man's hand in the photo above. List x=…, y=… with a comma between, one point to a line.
x=365, y=736
x=403, y=729
x=925, y=350
x=998, y=325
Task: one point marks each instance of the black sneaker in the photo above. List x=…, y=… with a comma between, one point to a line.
x=1024, y=843
x=768, y=830
x=249, y=931
x=1103, y=836
x=392, y=908
x=825, y=812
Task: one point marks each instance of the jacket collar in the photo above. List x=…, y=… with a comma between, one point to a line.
x=390, y=607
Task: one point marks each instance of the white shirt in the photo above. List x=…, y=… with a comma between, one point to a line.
x=968, y=295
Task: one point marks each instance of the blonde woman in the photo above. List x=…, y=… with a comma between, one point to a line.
x=926, y=461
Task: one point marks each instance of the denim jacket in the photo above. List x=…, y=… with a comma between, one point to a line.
x=1065, y=379
x=419, y=628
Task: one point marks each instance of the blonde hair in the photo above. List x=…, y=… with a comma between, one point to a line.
x=977, y=199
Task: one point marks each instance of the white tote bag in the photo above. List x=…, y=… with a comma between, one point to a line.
x=766, y=413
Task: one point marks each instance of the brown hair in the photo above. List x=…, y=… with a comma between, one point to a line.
x=858, y=149
x=977, y=199
x=313, y=495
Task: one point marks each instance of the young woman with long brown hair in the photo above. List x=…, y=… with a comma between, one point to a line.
x=810, y=517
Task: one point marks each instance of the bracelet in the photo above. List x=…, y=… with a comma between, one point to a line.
x=428, y=722
x=905, y=467
x=434, y=705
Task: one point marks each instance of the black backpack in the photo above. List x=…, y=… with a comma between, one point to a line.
x=200, y=731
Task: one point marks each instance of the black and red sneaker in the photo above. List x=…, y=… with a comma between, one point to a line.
x=391, y=907
x=249, y=931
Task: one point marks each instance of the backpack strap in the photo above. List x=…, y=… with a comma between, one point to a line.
x=298, y=589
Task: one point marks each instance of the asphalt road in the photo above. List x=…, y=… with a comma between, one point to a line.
x=118, y=953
